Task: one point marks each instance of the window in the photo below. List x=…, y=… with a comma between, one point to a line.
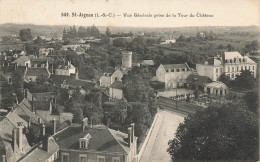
x=9, y=80
x=83, y=144
x=167, y=71
x=172, y=70
x=249, y=67
x=237, y=68
x=216, y=70
x=82, y=158
x=65, y=157
x=253, y=67
x=220, y=70
x=115, y=159
x=233, y=69
x=232, y=75
x=101, y=158
x=241, y=67
x=228, y=69
x=245, y=67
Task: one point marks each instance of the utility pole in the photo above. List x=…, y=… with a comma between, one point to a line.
x=176, y=94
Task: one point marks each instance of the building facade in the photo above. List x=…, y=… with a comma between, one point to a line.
x=173, y=75
x=109, y=76
x=230, y=63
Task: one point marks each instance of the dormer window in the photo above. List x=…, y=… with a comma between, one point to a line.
x=83, y=142
x=167, y=70
x=172, y=70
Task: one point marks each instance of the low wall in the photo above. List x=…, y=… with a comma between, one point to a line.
x=140, y=153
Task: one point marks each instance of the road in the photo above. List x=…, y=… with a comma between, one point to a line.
x=164, y=130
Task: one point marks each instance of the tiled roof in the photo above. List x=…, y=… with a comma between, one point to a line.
x=109, y=70
x=102, y=139
x=58, y=80
x=216, y=84
x=37, y=72
x=41, y=96
x=232, y=55
x=197, y=79
x=15, y=119
x=41, y=105
x=117, y=85
x=22, y=59
x=24, y=110
x=39, y=154
x=147, y=62
x=79, y=49
x=175, y=66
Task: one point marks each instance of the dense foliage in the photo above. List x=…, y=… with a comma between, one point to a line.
x=25, y=34
x=221, y=132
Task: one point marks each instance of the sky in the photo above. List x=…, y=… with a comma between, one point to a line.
x=48, y=12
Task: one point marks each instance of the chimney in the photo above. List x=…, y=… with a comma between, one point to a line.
x=25, y=93
x=54, y=126
x=129, y=136
x=20, y=136
x=133, y=131
x=33, y=106
x=3, y=158
x=84, y=122
x=77, y=74
x=29, y=122
x=46, y=143
x=50, y=108
x=39, y=120
x=14, y=139
x=43, y=130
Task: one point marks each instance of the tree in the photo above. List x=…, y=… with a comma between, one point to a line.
x=225, y=79
x=251, y=100
x=25, y=34
x=220, y=132
x=230, y=47
x=77, y=115
x=34, y=134
x=108, y=33
x=6, y=39
x=196, y=92
x=17, y=84
x=245, y=77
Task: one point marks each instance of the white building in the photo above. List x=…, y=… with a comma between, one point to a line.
x=65, y=69
x=231, y=63
x=173, y=75
x=109, y=76
x=216, y=88
x=115, y=90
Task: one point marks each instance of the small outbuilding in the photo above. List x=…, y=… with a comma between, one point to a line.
x=216, y=88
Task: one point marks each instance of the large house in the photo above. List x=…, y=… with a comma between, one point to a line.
x=173, y=75
x=231, y=63
x=80, y=142
x=110, y=75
